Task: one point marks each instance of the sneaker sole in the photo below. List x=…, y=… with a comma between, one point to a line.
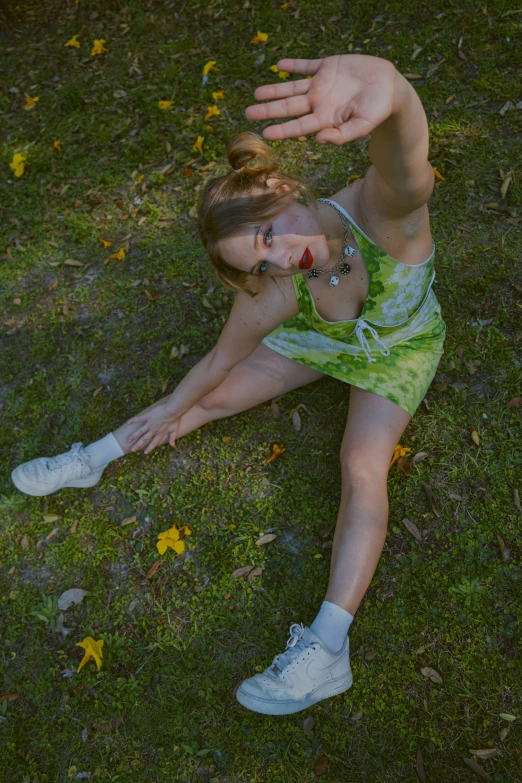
x=28, y=488
x=325, y=691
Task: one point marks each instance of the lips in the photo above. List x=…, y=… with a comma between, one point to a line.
x=307, y=260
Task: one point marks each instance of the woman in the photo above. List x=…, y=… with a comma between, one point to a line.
x=319, y=292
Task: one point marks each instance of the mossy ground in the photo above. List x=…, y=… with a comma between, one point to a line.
x=83, y=347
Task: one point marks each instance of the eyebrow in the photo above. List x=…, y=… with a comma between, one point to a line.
x=255, y=247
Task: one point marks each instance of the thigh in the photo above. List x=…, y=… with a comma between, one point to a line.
x=263, y=376
x=373, y=429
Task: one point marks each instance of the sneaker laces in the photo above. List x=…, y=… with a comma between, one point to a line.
x=295, y=645
x=77, y=454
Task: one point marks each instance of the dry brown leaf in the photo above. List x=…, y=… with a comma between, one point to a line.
x=420, y=767
x=504, y=732
x=404, y=464
x=322, y=763
x=370, y=655
x=227, y=440
x=484, y=753
x=454, y=496
x=413, y=529
x=9, y=697
x=431, y=674
x=265, y=539
x=419, y=457
x=431, y=500
x=152, y=570
x=128, y=521
x=118, y=721
x=73, y=262
x=97, y=391
x=275, y=410
x=25, y=541
x=51, y=534
x=50, y=518
x=516, y=402
x=308, y=724
x=207, y=304
x=296, y=420
x=254, y=572
x=480, y=771
x=241, y=572
x=475, y=437
x=505, y=184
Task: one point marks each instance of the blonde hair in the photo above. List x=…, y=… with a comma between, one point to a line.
x=242, y=199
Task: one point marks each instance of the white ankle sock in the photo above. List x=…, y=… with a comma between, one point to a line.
x=331, y=625
x=104, y=450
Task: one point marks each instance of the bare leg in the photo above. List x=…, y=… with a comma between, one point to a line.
x=263, y=376
x=373, y=429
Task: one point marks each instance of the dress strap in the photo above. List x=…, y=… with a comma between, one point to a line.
x=348, y=217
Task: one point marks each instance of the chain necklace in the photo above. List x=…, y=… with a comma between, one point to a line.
x=343, y=267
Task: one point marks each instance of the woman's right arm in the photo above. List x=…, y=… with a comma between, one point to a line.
x=250, y=320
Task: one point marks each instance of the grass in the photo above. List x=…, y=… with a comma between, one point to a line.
x=83, y=347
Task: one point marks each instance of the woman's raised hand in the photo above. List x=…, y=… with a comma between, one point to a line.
x=157, y=422
x=347, y=97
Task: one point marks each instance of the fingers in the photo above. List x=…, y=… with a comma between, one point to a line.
x=306, y=67
x=137, y=434
x=287, y=107
x=137, y=419
x=172, y=439
x=288, y=130
x=355, y=128
x=269, y=92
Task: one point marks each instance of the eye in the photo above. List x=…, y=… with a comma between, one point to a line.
x=268, y=233
x=262, y=267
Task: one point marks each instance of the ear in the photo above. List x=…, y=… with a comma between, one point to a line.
x=272, y=183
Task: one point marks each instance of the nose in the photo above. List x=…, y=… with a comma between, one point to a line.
x=283, y=263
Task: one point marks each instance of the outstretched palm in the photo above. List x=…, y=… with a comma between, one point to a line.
x=346, y=98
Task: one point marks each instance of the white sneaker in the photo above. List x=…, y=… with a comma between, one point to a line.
x=46, y=475
x=301, y=676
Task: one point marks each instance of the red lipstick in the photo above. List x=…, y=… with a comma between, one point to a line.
x=307, y=260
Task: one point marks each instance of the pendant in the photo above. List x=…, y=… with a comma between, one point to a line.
x=334, y=280
x=344, y=268
x=350, y=251
x=313, y=274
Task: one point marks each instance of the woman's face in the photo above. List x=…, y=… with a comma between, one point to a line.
x=288, y=244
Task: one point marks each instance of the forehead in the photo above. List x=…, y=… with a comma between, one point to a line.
x=239, y=251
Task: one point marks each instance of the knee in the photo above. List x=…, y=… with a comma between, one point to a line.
x=363, y=470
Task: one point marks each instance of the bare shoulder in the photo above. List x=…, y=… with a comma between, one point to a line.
x=407, y=238
x=273, y=302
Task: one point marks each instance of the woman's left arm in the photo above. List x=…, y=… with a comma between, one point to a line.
x=346, y=97
x=401, y=178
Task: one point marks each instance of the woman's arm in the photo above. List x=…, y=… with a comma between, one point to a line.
x=401, y=177
x=250, y=320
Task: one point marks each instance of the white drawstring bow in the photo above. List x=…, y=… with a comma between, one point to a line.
x=360, y=326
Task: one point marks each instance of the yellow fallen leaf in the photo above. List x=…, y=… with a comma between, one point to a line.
x=285, y=6
x=58, y=146
x=260, y=37
x=165, y=104
x=74, y=42
x=475, y=436
x=438, y=175
x=17, y=164
x=119, y=256
x=209, y=67
x=399, y=451
x=276, y=452
x=198, y=145
x=30, y=102
x=218, y=95
x=105, y=243
x=93, y=649
x=98, y=46
x=212, y=111
x=281, y=74
x=171, y=538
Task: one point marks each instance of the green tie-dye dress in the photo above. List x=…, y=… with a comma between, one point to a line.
x=395, y=345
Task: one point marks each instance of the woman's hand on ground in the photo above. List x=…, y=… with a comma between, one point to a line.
x=156, y=424
x=347, y=97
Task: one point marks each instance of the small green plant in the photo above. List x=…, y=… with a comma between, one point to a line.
x=470, y=590
x=47, y=611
